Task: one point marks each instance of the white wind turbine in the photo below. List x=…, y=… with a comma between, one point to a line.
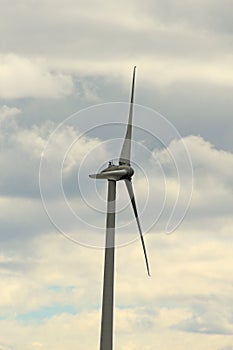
x=113, y=173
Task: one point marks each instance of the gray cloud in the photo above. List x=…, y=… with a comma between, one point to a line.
x=209, y=318
x=58, y=57
x=209, y=15
x=81, y=28
x=21, y=155
x=183, y=50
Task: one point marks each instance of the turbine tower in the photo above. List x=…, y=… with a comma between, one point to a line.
x=113, y=173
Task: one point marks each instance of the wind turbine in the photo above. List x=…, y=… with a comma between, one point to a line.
x=113, y=173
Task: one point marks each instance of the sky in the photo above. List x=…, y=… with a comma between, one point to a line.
x=65, y=75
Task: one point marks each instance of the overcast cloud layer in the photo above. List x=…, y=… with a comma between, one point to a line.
x=57, y=57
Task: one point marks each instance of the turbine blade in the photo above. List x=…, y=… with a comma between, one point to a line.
x=132, y=198
x=126, y=148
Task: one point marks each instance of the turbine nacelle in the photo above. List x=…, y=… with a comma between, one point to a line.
x=115, y=172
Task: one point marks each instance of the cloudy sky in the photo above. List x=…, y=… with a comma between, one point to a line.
x=61, y=57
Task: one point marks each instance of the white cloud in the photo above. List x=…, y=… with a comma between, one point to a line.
x=20, y=158
x=211, y=196
x=171, y=42
x=184, y=52
x=161, y=72
x=22, y=149
x=8, y=122
x=186, y=298
x=27, y=77
x=7, y=112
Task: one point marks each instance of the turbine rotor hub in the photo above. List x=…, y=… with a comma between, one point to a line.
x=118, y=172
